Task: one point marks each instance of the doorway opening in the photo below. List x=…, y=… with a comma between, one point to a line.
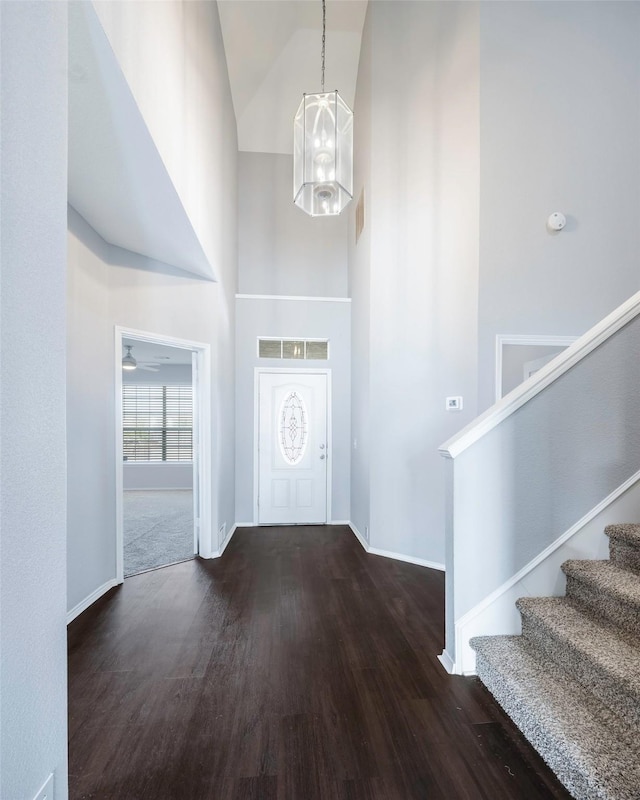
x=163, y=498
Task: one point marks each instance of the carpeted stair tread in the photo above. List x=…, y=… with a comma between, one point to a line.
x=594, y=754
x=627, y=532
x=593, y=653
x=624, y=545
x=607, y=577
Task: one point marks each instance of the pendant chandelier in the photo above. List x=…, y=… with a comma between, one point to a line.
x=323, y=149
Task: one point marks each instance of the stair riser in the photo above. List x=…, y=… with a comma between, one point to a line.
x=625, y=555
x=606, y=687
x=551, y=750
x=604, y=605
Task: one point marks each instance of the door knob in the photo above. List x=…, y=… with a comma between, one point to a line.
x=322, y=447
x=322, y=457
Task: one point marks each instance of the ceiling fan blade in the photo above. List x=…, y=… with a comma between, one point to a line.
x=148, y=369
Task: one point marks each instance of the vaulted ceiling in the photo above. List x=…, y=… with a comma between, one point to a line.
x=273, y=50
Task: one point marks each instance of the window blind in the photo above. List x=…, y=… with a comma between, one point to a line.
x=157, y=423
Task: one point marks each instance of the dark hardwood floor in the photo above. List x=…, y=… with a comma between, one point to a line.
x=296, y=667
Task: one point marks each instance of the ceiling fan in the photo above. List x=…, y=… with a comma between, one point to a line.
x=130, y=363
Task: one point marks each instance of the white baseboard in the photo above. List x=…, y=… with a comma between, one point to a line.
x=158, y=489
x=46, y=790
x=217, y=553
x=228, y=538
x=83, y=605
x=359, y=536
x=421, y=562
x=447, y=662
x=339, y=522
x=375, y=551
x=245, y=525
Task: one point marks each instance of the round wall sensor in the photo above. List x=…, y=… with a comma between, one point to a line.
x=556, y=221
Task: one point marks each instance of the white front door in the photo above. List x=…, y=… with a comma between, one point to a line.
x=292, y=448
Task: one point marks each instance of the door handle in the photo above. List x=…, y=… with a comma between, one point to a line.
x=322, y=447
x=322, y=457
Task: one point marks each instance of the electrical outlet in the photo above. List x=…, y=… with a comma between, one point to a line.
x=454, y=404
x=222, y=532
x=46, y=792
x=366, y=532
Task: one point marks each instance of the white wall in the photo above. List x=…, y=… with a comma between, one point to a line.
x=303, y=319
x=145, y=295
x=172, y=55
x=33, y=179
x=282, y=250
x=359, y=256
x=560, y=126
x=165, y=374
x=91, y=410
x=419, y=262
x=160, y=475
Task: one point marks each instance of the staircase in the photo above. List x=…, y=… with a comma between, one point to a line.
x=571, y=681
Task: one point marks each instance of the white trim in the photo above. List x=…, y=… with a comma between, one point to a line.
x=489, y=600
x=45, y=792
x=245, y=525
x=359, y=536
x=292, y=297
x=447, y=662
x=226, y=541
x=119, y=456
x=421, y=562
x=202, y=462
x=83, y=605
x=339, y=522
x=524, y=339
x=161, y=489
x=374, y=551
x=204, y=471
x=549, y=373
x=256, y=415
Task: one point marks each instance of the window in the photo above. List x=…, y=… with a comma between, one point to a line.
x=317, y=349
x=157, y=423
x=293, y=428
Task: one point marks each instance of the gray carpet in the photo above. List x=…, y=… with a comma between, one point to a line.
x=158, y=529
x=571, y=682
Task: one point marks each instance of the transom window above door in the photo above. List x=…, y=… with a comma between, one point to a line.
x=308, y=349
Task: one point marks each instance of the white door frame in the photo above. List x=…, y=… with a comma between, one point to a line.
x=256, y=427
x=542, y=340
x=202, y=476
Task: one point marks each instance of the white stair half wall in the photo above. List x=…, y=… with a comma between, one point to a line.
x=542, y=577
x=533, y=481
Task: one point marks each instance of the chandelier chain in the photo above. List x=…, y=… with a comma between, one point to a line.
x=324, y=37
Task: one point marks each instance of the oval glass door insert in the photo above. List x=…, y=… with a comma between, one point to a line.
x=293, y=428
